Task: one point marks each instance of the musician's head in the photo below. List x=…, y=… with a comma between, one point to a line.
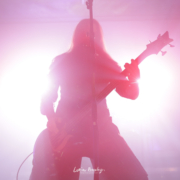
x=82, y=34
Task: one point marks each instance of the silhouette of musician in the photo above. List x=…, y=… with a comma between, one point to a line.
x=72, y=72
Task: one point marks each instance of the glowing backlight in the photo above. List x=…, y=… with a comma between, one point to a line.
x=21, y=90
x=155, y=89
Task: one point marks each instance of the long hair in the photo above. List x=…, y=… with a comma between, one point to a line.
x=80, y=39
x=81, y=35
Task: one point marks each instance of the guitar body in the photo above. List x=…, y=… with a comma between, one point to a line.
x=60, y=140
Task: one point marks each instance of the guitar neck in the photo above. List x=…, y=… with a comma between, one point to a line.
x=122, y=77
x=142, y=56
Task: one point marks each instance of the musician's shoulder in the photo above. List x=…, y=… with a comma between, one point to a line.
x=58, y=60
x=60, y=57
x=111, y=63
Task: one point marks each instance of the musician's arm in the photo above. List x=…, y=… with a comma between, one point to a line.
x=47, y=102
x=128, y=90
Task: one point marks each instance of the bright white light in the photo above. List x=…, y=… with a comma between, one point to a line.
x=155, y=84
x=21, y=90
x=155, y=89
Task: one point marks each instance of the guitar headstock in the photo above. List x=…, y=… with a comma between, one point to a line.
x=156, y=46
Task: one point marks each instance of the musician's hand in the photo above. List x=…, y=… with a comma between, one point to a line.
x=133, y=71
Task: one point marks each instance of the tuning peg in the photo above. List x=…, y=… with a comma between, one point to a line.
x=163, y=52
x=87, y=4
x=171, y=45
x=158, y=36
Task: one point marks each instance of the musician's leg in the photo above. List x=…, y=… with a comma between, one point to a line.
x=47, y=167
x=70, y=161
x=43, y=168
x=118, y=161
x=68, y=165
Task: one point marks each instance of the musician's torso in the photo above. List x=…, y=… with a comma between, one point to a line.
x=74, y=75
